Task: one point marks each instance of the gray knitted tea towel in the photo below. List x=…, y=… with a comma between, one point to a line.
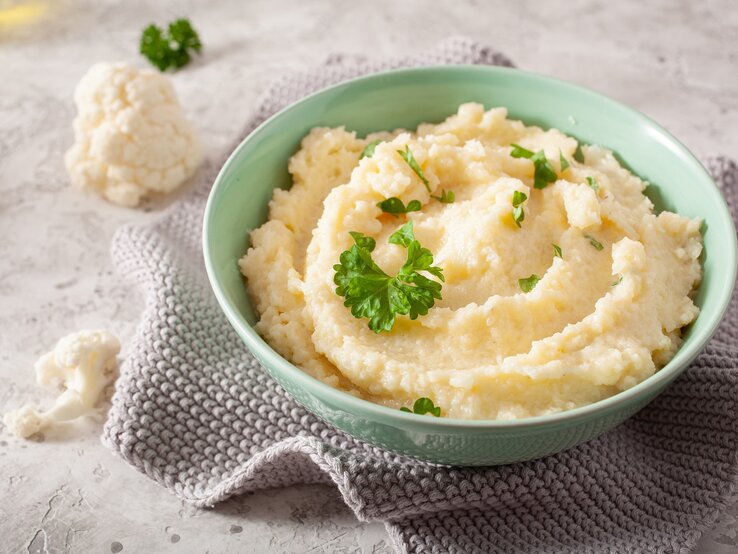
x=194, y=411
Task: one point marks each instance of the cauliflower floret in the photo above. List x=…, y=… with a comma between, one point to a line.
x=25, y=421
x=83, y=363
x=131, y=136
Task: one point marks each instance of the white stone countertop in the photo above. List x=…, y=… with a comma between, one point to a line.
x=675, y=61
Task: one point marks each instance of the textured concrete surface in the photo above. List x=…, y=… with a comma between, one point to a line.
x=675, y=61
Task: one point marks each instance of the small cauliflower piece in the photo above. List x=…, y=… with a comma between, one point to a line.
x=131, y=135
x=83, y=363
x=25, y=421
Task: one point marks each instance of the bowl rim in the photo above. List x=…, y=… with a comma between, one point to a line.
x=275, y=362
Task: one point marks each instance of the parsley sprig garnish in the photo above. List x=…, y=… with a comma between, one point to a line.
x=517, y=201
x=422, y=406
x=373, y=294
x=407, y=155
x=170, y=49
x=395, y=206
x=544, y=173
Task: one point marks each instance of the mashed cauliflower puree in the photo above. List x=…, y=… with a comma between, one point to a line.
x=615, y=279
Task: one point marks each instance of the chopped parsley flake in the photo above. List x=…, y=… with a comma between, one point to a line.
x=562, y=162
x=557, y=251
x=518, y=213
x=529, y=283
x=423, y=406
x=544, y=173
x=395, y=206
x=369, y=149
x=447, y=197
x=594, y=242
x=520, y=152
x=578, y=154
x=592, y=182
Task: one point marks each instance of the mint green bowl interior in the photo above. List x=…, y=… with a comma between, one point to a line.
x=404, y=98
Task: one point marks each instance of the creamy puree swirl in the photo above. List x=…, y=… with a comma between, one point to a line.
x=599, y=321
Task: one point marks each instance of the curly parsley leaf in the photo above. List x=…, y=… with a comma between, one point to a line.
x=372, y=294
x=395, y=206
x=544, y=173
x=557, y=251
x=423, y=406
x=517, y=201
x=407, y=155
x=170, y=49
x=562, y=162
x=155, y=47
x=578, y=154
x=368, y=151
x=447, y=196
x=529, y=283
x=592, y=182
x=594, y=242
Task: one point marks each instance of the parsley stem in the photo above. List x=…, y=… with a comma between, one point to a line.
x=410, y=160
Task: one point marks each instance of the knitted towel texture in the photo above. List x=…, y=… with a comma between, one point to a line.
x=194, y=411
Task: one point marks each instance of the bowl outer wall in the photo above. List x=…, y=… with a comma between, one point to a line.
x=404, y=98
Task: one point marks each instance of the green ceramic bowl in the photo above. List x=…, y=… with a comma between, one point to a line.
x=404, y=98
